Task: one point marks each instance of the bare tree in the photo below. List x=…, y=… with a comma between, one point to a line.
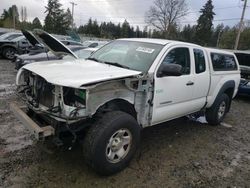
x=165, y=13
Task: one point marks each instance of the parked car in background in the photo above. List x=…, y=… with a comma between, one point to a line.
x=18, y=45
x=82, y=53
x=244, y=88
x=10, y=36
x=243, y=57
x=38, y=47
x=94, y=44
x=39, y=52
x=2, y=32
x=127, y=85
x=244, y=61
x=25, y=59
x=71, y=42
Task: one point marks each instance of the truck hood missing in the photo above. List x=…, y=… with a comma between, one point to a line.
x=76, y=73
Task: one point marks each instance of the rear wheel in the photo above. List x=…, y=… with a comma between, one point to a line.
x=111, y=142
x=9, y=53
x=217, y=112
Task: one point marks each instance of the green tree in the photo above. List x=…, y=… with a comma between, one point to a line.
x=216, y=35
x=228, y=37
x=125, y=29
x=89, y=26
x=103, y=27
x=25, y=25
x=36, y=23
x=138, y=32
x=67, y=19
x=95, y=29
x=7, y=17
x=117, y=31
x=157, y=34
x=109, y=30
x=145, y=32
x=55, y=19
x=205, y=24
x=188, y=33
x=244, y=43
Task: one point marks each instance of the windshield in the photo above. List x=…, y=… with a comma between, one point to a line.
x=19, y=39
x=133, y=55
x=11, y=37
x=86, y=43
x=81, y=54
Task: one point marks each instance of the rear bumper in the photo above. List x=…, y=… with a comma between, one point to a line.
x=40, y=133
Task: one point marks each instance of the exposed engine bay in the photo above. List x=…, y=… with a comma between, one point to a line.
x=61, y=103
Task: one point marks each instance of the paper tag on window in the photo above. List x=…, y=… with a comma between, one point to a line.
x=145, y=50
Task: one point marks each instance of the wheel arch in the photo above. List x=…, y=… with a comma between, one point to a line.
x=8, y=46
x=227, y=88
x=4, y=47
x=118, y=104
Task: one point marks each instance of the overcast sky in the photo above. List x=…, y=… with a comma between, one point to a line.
x=132, y=10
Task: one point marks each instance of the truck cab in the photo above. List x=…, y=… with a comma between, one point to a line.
x=175, y=96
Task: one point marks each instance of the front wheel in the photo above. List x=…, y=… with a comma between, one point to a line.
x=111, y=142
x=217, y=112
x=9, y=53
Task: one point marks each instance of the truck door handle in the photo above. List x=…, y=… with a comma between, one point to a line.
x=190, y=83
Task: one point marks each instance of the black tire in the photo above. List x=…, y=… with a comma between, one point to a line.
x=98, y=136
x=213, y=114
x=9, y=53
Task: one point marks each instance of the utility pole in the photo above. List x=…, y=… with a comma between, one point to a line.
x=241, y=25
x=218, y=39
x=73, y=6
x=14, y=17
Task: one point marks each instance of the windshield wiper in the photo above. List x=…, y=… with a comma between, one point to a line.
x=117, y=64
x=93, y=59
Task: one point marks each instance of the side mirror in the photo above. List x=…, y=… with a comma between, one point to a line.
x=170, y=70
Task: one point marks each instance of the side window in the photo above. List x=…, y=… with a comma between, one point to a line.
x=93, y=45
x=180, y=56
x=200, y=62
x=223, y=62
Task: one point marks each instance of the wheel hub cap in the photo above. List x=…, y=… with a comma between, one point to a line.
x=222, y=110
x=118, y=145
x=10, y=54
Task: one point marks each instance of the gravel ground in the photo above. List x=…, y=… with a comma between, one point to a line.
x=180, y=153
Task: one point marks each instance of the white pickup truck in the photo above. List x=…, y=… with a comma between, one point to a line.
x=127, y=85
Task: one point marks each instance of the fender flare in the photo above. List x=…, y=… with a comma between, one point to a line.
x=227, y=85
x=9, y=46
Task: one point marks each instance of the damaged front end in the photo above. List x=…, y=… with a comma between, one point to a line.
x=72, y=109
x=46, y=104
x=61, y=103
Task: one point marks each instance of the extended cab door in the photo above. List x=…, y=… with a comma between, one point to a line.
x=173, y=95
x=201, y=77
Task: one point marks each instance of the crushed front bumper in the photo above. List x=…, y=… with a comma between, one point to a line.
x=39, y=132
